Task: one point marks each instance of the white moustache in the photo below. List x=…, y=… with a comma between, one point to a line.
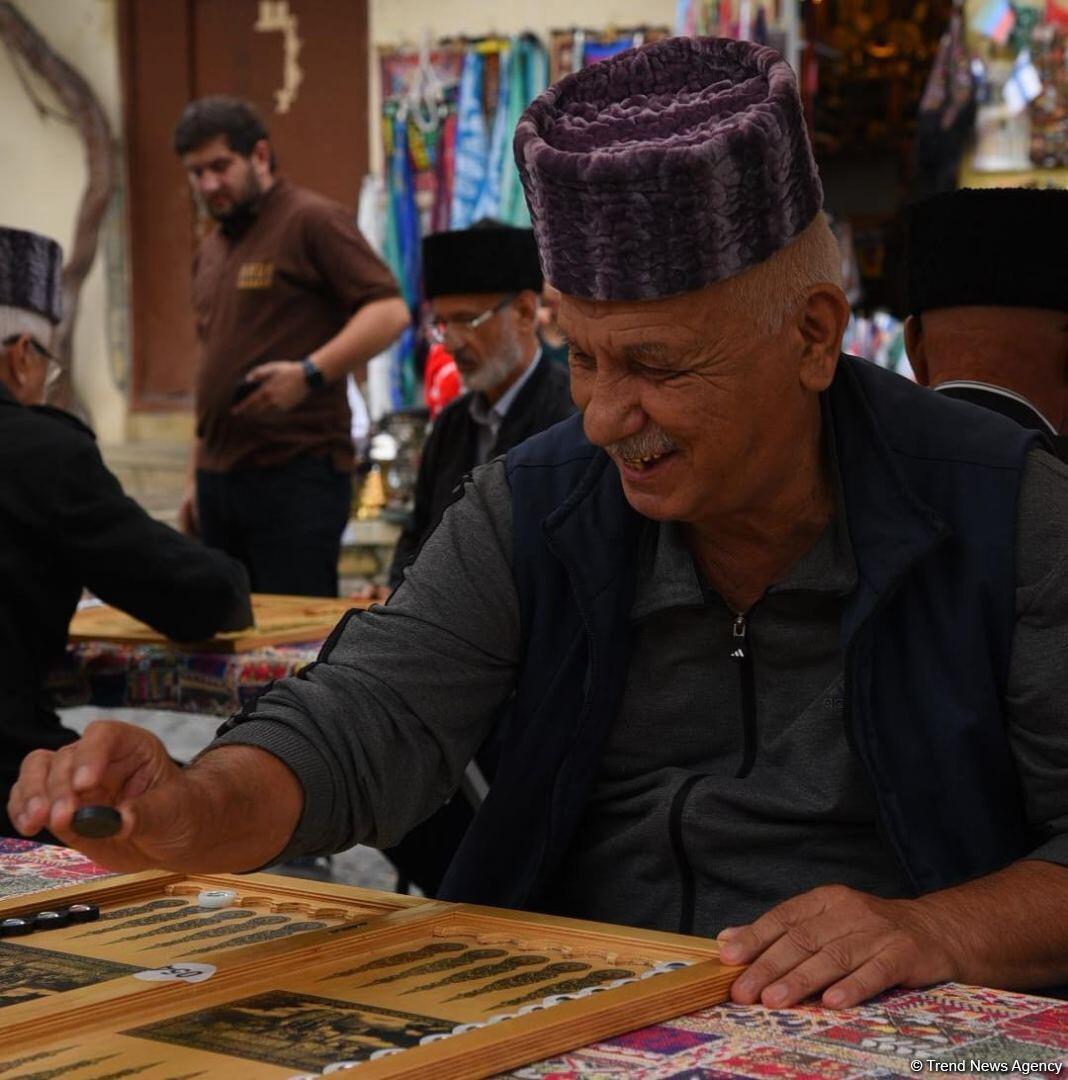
x=646, y=445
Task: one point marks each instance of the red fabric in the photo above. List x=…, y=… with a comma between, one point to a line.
x=441, y=380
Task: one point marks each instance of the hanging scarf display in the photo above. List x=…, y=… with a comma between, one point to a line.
x=500, y=144
x=390, y=236
x=686, y=17
x=472, y=146
x=444, y=171
x=401, y=249
x=604, y=50
x=446, y=163
x=528, y=73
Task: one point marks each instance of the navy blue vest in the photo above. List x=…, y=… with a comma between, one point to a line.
x=930, y=487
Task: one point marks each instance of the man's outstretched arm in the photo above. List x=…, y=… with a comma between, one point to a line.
x=234, y=809
x=371, y=735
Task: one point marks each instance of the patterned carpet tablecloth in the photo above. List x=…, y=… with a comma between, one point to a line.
x=154, y=677
x=948, y=1029
x=27, y=867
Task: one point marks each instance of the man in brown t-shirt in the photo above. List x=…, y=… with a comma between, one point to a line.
x=289, y=299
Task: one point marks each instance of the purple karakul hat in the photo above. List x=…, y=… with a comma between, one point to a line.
x=666, y=168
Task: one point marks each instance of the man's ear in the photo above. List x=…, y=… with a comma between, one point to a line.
x=18, y=361
x=526, y=310
x=916, y=349
x=821, y=322
x=261, y=156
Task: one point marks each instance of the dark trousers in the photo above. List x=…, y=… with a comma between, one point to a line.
x=284, y=524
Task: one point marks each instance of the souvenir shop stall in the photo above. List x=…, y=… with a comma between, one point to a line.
x=983, y=104
x=1018, y=53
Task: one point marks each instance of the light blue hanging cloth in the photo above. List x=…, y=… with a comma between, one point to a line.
x=472, y=150
x=489, y=201
x=528, y=77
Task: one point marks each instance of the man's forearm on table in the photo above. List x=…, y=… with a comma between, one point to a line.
x=1007, y=929
x=370, y=331
x=249, y=804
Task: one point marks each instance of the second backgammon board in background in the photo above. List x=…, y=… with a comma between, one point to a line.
x=279, y=620
x=434, y=989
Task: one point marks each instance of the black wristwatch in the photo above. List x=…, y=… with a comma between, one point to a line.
x=312, y=375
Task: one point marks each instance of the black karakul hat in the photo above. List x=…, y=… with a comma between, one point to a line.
x=490, y=257
x=30, y=268
x=988, y=247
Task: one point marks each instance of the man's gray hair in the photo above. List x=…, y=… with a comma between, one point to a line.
x=15, y=321
x=768, y=294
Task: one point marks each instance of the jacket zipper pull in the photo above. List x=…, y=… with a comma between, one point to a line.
x=739, y=641
x=742, y=656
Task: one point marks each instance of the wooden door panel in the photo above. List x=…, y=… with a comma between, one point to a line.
x=321, y=141
x=157, y=84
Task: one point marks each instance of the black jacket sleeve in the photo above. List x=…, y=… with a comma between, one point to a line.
x=105, y=539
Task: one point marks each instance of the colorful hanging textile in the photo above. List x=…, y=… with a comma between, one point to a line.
x=403, y=252
x=500, y=144
x=390, y=237
x=686, y=18
x=603, y=50
x=402, y=242
x=472, y=145
x=444, y=171
x=529, y=75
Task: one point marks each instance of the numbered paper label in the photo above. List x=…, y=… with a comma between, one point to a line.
x=189, y=973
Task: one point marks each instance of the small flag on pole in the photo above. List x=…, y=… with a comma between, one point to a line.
x=996, y=21
x=1023, y=85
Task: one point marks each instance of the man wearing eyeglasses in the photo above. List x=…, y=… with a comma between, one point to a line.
x=482, y=285
x=65, y=524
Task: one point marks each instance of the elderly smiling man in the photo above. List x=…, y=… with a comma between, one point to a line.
x=774, y=639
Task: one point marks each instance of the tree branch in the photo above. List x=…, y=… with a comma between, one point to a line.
x=84, y=109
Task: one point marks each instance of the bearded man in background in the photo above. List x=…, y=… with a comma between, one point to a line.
x=483, y=285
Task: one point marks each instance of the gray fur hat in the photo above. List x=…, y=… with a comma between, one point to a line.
x=666, y=168
x=30, y=267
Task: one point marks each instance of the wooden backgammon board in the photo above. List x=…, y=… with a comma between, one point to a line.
x=292, y=979
x=278, y=620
